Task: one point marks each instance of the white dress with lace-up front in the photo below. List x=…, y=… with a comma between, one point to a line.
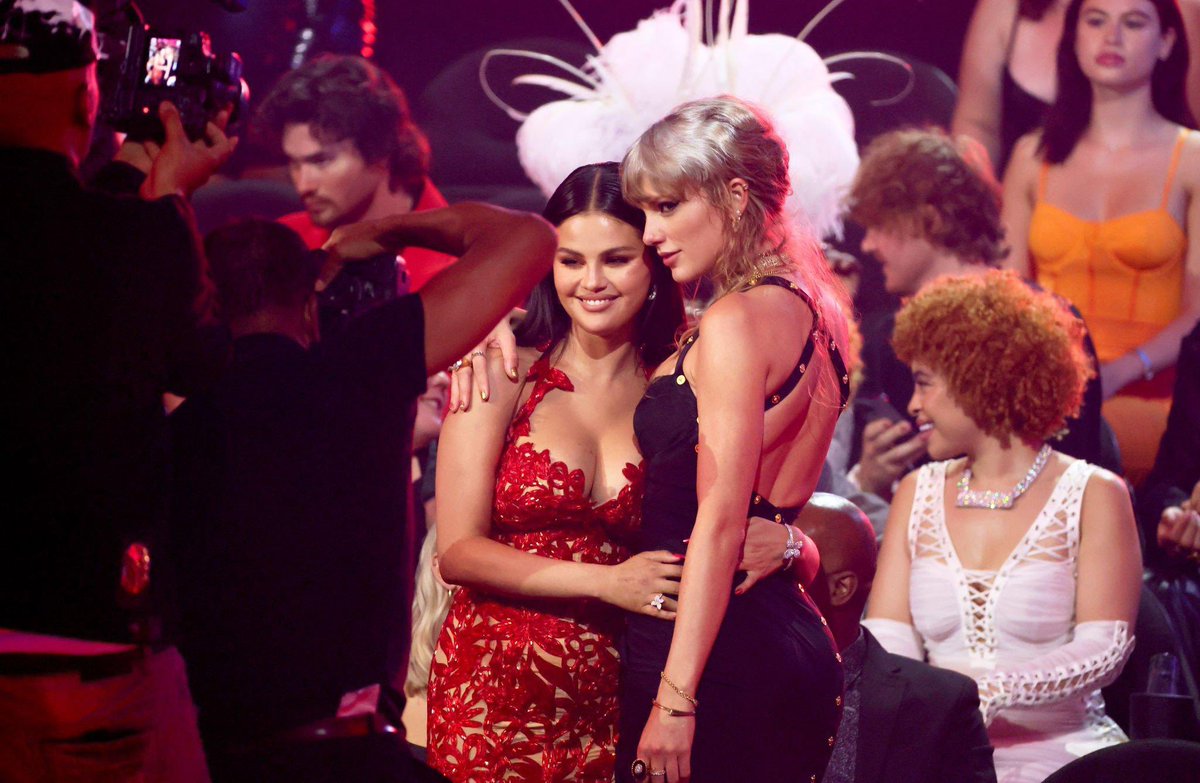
x=1014, y=630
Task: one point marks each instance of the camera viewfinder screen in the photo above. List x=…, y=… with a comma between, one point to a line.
x=163, y=63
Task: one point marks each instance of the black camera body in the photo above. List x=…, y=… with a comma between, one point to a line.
x=360, y=286
x=178, y=67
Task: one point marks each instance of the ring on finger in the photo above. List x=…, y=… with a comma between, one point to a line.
x=458, y=365
x=638, y=770
x=474, y=354
x=657, y=602
x=658, y=773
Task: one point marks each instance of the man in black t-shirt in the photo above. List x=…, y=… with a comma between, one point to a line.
x=292, y=517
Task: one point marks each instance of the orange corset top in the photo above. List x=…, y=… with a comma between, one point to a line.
x=1124, y=274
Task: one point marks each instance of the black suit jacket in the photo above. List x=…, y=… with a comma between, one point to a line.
x=918, y=723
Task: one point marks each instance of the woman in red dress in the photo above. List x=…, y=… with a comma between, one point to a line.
x=537, y=493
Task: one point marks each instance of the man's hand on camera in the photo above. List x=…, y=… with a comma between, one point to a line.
x=181, y=166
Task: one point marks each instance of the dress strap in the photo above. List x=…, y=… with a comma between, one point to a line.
x=810, y=345
x=1042, y=172
x=1175, y=156
x=545, y=378
x=683, y=352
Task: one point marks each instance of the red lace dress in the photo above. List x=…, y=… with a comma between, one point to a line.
x=525, y=689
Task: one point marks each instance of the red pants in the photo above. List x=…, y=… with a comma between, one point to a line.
x=137, y=727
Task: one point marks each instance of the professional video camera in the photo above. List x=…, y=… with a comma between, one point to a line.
x=146, y=66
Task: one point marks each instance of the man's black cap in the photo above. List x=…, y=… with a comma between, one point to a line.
x=41, y=36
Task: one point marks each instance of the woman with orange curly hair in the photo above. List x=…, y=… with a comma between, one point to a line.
x=1008, y=561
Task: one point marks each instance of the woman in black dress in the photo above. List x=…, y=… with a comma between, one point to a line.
x=739, y=687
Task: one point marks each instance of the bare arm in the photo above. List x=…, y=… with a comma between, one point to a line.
x=1020, y=194
x=979, y=108
x=468, y=456
x=501, y=256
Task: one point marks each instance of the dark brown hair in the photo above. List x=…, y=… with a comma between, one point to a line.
x=344, y=97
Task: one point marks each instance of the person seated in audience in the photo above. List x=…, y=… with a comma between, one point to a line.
x=930, y=207
x=903, y=721
x=1100, y=204
x=1015, y=564
x=1169, y=507
x=1006, y=81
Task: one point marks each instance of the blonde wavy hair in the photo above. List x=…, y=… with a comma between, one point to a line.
x=431, y=603
x=694, y=152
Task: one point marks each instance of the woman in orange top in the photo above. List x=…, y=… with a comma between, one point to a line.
x=1101, y=203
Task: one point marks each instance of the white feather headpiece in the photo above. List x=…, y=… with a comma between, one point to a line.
x=639, y=76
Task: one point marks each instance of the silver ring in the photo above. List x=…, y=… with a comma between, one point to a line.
x=474, y=354
x=661, y=773
x=657, y=602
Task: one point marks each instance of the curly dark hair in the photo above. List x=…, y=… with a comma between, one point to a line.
x=345, y=97
x=1012, y=355
x=923, y=183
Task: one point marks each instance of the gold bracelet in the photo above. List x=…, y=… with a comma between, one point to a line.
x=674, y=713
x=679, y=691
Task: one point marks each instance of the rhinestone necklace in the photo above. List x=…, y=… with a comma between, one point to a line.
x=969, y=498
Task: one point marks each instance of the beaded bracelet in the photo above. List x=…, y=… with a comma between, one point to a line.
x=686, y=697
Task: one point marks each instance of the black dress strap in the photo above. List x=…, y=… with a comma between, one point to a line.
x=810, y=345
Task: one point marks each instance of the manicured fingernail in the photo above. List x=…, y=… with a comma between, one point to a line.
x=483, y=396
x=512, y=373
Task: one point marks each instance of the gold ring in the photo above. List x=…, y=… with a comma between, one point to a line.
x=458, y=364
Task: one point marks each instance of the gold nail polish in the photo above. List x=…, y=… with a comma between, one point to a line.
x=483, y=396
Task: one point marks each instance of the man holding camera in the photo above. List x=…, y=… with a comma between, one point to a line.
x=354, y=152
x=106, y=300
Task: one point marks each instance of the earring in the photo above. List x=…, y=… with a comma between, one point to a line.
x=737, y=218
x=653, y=293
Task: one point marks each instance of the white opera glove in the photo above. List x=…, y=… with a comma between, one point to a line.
x=1091, y=660
x=896, y=637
